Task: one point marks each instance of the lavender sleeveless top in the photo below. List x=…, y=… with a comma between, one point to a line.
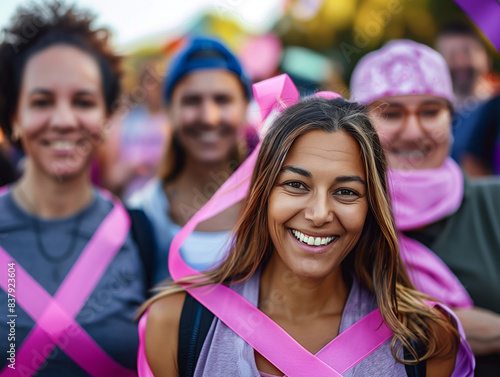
x=224, y=353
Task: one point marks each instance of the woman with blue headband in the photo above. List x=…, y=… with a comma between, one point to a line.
x=207, y=95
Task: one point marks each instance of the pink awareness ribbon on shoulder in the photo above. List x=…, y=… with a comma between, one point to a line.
x=257, y=329
x=486, y=15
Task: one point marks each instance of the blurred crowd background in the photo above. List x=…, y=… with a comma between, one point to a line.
x=316, y=42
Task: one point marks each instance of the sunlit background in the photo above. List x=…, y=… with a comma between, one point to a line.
x=317, y=42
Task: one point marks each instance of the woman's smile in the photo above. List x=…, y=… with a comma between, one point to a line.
x=318, y=206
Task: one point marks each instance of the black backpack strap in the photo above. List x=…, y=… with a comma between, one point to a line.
x=143, y=235
x=417, y=370
x=193, y=329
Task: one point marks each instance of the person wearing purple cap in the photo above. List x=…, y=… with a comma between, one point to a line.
x=207, y=94
x=448, y=226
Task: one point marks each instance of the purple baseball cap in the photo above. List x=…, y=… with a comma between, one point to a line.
x=401, y=67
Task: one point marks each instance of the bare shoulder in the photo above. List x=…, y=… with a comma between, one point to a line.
x=166, y=310
x=443, y=363
x=162, y=332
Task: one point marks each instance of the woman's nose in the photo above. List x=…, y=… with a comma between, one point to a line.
x=319, y=210
x=210, y=113
x=63, y=116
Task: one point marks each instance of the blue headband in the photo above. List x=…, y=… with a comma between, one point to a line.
x=203, y=53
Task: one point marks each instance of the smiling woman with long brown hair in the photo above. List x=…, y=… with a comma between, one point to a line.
x=315, y=250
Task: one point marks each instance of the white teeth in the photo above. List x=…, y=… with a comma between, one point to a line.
x=62, y=145
x=309, y=240
x=209, y=137
x=413, y=153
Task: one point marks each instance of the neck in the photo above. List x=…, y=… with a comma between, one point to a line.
x=205, y=178
x=286, y=295
x=153, y=108
x=46, y=197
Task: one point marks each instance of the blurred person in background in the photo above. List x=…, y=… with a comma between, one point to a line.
x=207, y=94
x=481, y=156
x=138, y=134
x=473, y=79
x=469, y=62
x=448, y=226
x=67, y=249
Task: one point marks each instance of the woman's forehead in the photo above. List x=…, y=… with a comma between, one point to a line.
x=326, y=150
x=409, y=100
x=62, y=65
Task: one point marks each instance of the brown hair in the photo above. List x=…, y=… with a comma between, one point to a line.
x=375, y=259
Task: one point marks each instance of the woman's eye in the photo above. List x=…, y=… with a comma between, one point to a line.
x=84, y=103
x=347, y=192
x=191, y=100
x=429, y=113
x=392, y=115
x=295, y=185
x=41, y=103
x=223, y=99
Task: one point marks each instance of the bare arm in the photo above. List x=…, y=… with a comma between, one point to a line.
x=162, y=335
x=482, y=328
x=443, y=363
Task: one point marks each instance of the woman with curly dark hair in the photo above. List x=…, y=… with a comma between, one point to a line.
x=72, y=274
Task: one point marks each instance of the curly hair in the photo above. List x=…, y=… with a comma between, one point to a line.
x=39, y=26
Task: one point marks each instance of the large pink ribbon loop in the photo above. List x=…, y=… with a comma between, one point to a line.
x=276, y=93
x=54, y=316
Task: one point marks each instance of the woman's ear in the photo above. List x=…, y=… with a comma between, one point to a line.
x=16, y=131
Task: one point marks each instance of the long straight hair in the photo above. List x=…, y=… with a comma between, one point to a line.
x=374, y=260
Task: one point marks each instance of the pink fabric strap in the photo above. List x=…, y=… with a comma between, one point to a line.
x=365, y=336
x=54, y=316
x=257, y=329
x=343, y=352
x=419, y=198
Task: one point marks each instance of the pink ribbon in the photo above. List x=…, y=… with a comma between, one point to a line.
x=55, y=316
x=486, y=15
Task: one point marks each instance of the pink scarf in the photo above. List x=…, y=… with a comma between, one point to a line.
x=419, y=198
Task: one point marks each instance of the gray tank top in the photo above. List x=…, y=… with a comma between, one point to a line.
x=224, y=353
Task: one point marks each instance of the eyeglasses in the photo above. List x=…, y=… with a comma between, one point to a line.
x=429, y=115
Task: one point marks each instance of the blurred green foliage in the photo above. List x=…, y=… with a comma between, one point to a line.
x=345, y=30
